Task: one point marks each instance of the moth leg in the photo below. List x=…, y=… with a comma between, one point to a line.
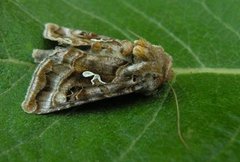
x=77, y=94
x=74, y=93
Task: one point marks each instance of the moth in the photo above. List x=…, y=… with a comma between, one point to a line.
x=87, y=67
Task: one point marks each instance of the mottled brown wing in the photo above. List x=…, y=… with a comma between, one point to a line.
x=92, y=67
x=74, y=37
x=69, y=77
x=87, y=40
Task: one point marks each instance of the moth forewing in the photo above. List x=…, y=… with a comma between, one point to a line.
x=73, y=85
x=73, y=75
x=73, y=37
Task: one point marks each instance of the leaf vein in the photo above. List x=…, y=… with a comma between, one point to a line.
x=224, y=71
x=228, y=144
x=26, y=12
x=219, y=19
x=98, y=18
x=34, y=137
x=167, y=31
x=13, y=84
x=16, y=61
x=46, y=129
x=145, y=128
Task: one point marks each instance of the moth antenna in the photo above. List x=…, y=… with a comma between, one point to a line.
x=178, y=118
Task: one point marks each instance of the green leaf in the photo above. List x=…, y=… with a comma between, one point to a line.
x=202, y=36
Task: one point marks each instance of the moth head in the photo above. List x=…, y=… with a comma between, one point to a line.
x=167, y=67
x=157, y=67
x=153, y=81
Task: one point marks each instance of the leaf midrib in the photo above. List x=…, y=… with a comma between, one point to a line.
x=177, y=70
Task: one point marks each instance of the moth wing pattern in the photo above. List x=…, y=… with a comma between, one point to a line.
x=73, y=37
x=59, y=80
x=71, y=75
x=86, y=40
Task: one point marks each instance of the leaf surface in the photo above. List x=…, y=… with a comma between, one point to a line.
x=203, y=38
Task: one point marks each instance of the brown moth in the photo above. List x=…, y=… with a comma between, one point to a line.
x=90, y=67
